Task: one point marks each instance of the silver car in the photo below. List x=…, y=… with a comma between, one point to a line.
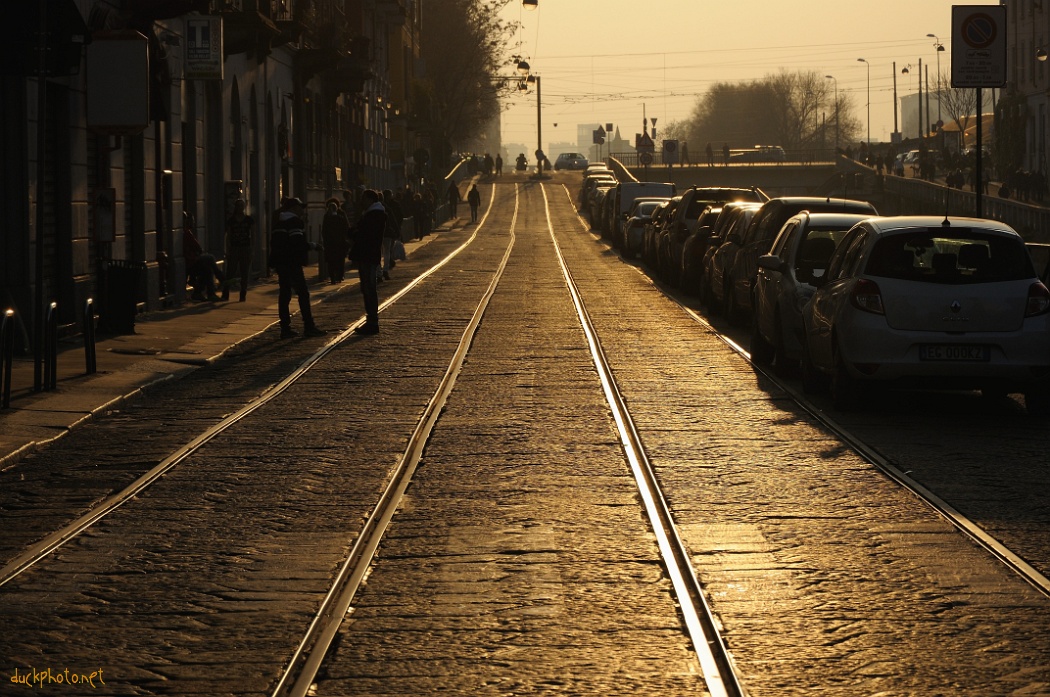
x=926, y=301
x=784, y=284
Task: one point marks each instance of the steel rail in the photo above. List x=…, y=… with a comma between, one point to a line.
x=716, y=662
x=41, y=549
x=960, y=521
x=298, y=677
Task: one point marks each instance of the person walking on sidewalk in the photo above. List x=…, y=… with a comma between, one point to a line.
x=367, y=253
x=240, y=228
x=335, y=236
x=474, y=199
x=288, y=255
x=453, y=198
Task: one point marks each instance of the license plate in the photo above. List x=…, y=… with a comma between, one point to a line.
x=953, y=352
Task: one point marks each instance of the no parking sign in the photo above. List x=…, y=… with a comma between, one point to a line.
x=978, y=45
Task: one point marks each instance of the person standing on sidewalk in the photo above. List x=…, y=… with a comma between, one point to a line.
x=335, y=236
x=240, y=228
x=392, y=233
x=288, y=255
x=367, y=253
x=474, y=199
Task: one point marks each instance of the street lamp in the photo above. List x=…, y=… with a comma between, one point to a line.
x=530, y=4
x=865, y=62
x=940, y=49
x=904, y=71
x=832, y=77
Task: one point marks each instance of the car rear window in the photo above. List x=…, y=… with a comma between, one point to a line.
x=955, y=256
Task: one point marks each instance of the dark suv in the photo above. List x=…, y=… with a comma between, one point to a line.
x=740, y=272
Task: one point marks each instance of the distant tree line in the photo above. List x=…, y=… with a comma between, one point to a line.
x=797, y=111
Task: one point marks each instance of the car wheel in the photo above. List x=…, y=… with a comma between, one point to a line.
x=782, y=365
x=846, y=391
x=707, y=299
x=813, y=381
x=1037, y=402
x=729, y=308
x=762, y=352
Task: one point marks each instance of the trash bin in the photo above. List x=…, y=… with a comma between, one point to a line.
x=121, y=295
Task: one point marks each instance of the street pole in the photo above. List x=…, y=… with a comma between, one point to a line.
x=539, y=121
x=832, y=77
x=895, y=129
x=41, y=147
x=865, y=62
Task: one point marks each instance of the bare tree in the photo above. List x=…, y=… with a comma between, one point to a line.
x=960, y=104
x=462, y=49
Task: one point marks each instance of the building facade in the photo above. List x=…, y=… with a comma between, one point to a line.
x=311, y=98
x=1028, y=41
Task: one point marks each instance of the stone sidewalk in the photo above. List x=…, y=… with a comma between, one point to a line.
x=165, y=346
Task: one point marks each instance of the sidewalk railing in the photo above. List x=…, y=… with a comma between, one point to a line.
x=90, y=365
x=7, y=351
x=51, y=347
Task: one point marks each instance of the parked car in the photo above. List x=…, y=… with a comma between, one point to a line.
x=694, y=248
x=927, y=301
x=589, y=183
x=695, y=201
x=784, y=284
x=651, y=235
x=698, y=248
x=739, y=276
x=595, y=201
x=626, y=193
x=640, y=213
x=571, y=160
x=720, y=253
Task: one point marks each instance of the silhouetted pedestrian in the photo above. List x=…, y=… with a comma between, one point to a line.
x=725, y=154
x=335, y=236
x=240, y=229
x=288, y=255
x=201, y=268
x=474, y=199
x=710, y=156
x=367, y=254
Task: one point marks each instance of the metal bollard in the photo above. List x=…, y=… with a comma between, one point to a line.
x=7, y=352
x=89, y=336
x=51, y=347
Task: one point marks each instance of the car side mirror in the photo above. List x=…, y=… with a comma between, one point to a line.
x=771, y=263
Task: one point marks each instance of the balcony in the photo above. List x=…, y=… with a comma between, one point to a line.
x=247, y=26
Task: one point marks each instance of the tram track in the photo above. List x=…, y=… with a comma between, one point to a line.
x=50, y=543
x=300, y=674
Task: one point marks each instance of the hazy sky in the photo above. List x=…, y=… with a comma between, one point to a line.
x=600, y=60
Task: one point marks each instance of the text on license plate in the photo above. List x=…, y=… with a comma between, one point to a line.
x=953, y=352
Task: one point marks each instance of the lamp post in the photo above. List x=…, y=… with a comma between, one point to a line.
x=940, y=49
x=865, y=62
x=905, y=70
x=832, y=77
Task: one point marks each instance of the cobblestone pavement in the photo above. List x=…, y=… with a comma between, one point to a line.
x=520, y=562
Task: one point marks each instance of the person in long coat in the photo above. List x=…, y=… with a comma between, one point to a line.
x=335, y=236
x=367, y=252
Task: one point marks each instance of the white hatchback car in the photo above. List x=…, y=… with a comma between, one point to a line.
x=926, y=301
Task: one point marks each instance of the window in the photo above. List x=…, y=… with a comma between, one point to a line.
x=956, y=256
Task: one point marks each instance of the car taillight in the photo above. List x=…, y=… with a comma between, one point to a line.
x=866, y=296
x=1038, y=300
